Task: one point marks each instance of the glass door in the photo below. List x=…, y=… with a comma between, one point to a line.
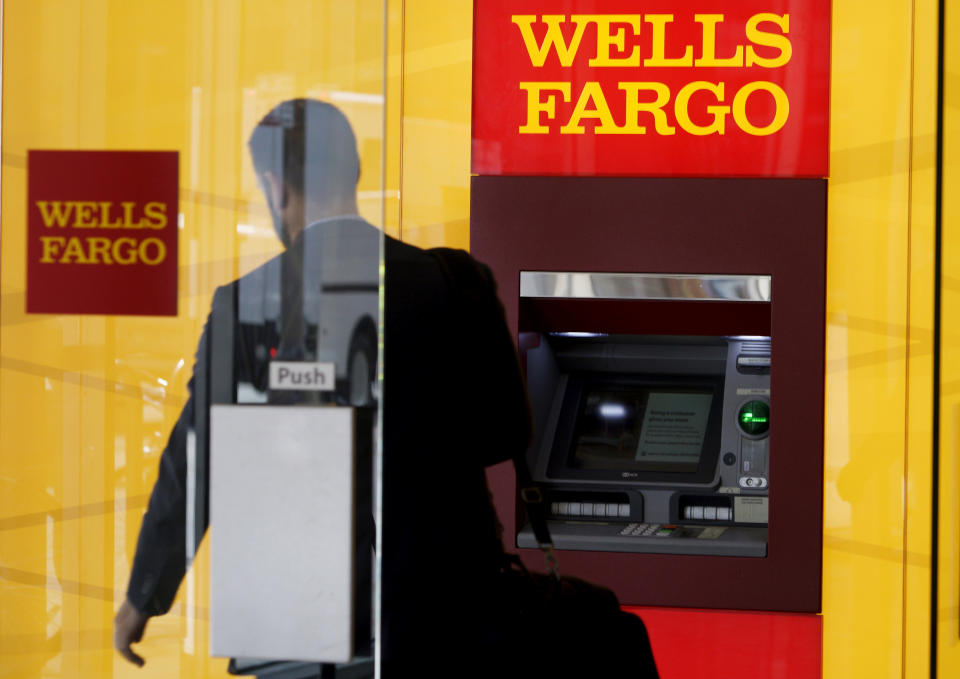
x=193, y=202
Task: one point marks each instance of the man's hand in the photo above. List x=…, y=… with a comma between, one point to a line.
x=128, y=628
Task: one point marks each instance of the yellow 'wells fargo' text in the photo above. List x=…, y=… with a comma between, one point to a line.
x=79, y=214
x=765, y=46
x=100, y=250
x=83, y=214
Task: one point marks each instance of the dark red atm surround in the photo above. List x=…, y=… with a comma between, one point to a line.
x=775, y=227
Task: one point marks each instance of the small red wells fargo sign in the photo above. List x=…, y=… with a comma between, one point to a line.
x=651, y=87
x=102, y=232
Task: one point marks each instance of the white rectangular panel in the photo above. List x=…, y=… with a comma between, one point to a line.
x=281, y=532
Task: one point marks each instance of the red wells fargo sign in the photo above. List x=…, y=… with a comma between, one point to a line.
x=651, y=87
x=102, y=232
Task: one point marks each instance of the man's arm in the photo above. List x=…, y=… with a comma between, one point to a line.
x=161, y=559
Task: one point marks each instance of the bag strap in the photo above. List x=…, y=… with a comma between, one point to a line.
x=470, y=282
x=534, y=503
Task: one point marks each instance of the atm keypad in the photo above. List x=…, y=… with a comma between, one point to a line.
x=656, y=530
x=647, y=530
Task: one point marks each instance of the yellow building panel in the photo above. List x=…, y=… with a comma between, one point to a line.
x=437, y=77
x=867, y=340
x=394, y=114
x=918, y=462
x=948, y=602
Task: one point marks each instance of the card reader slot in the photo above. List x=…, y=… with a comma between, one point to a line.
x=753, y=364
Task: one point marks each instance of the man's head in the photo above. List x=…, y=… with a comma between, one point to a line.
x=305, y=155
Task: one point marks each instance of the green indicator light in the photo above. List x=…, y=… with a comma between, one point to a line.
x=754, y=418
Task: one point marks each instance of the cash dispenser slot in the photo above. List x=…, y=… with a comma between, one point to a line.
x=592, y=505
x=706, y=509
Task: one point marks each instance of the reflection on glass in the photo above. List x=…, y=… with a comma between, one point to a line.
x=300, y=329
x=88, y=401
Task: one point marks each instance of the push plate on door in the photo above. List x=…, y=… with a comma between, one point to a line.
x=302, y=376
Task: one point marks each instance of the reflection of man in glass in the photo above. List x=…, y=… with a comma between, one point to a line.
x=453, y=400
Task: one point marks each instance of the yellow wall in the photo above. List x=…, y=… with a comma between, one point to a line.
x=918, y=458
x=435, y=127
x=878, y=341
x=84, y=415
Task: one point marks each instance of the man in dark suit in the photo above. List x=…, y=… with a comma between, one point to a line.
x=453, y=400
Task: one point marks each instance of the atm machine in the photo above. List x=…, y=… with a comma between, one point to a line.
x=671, y=333
x=650, y=443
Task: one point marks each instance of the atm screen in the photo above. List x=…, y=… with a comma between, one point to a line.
x=640, y=430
